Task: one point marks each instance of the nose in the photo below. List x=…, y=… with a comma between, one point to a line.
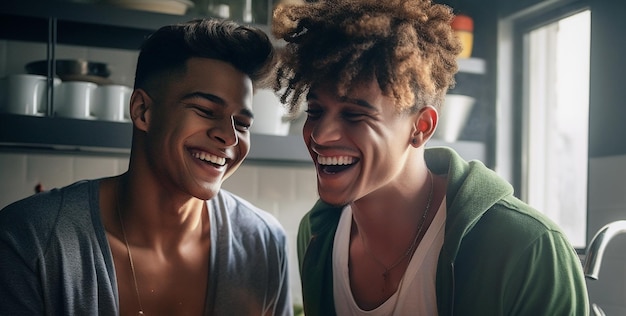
x=225, y=132
x=324, y=129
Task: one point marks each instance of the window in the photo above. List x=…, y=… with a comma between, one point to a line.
x=554, y=121
x=550, y=114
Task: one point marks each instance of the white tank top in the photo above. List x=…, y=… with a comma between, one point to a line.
x=416, y=294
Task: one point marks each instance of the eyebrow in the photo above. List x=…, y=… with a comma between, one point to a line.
x=215, y=99
x=360, y=102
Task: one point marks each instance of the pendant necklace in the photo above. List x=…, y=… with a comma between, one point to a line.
x=130, y=256
x=409, y=251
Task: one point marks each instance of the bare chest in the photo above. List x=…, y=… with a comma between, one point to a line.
x=161, y=284
x=370, y=286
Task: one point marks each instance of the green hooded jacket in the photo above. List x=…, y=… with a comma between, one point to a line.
x=499, y=256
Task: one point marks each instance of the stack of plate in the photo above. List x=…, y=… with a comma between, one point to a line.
x=176, y=7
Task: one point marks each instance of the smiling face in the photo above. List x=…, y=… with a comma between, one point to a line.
x=196, y=126
x=359, y=143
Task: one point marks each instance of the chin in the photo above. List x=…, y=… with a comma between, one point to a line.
x=207, y=192
x=334, y=200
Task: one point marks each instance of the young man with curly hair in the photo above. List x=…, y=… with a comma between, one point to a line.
x=163, y=238
x=400, y=229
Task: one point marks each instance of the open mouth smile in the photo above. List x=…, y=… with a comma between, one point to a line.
x=335, y=164
x=209, y=158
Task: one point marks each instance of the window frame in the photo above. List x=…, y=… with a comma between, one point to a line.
x=513, y=109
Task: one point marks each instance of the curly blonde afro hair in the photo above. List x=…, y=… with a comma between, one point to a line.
x=407, y=45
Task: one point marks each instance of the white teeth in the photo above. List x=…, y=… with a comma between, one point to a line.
x=210, y=158
x=336, y=160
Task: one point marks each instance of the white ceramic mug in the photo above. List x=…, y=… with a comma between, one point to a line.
x=110, y=102
x=74, y=99
x=24, y=94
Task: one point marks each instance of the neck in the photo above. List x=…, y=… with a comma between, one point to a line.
x=158, y=221
x=392, y=220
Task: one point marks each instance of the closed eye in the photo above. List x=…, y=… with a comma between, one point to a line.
x=354, y=116
x=313, y=113
x=203, y=111
x=242, y=126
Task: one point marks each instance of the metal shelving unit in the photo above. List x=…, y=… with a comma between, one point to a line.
x=55, y=22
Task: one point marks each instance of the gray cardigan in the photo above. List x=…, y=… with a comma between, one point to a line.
x=55, y=258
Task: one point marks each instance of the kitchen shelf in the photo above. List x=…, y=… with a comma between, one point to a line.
x=89, y=13
x=76, y=136
x=64, y=134
x=85, y=23
x=472, y=65
x=79, y=23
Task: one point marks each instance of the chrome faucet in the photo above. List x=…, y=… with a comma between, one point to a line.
x=595, y=249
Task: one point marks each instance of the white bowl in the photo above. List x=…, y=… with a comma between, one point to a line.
x=453, y=117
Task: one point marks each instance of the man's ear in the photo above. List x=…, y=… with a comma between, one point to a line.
x=424, y=125
x=140, y=105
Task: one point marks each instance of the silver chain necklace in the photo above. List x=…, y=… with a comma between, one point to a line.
x=130, y=255
x=406, y=254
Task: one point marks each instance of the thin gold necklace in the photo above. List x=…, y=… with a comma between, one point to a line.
x=400, y=259
x=130, y=255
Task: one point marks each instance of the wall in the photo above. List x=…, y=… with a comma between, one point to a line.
x=607, y=151
x=287, y=192
x=607, y=93
x=607, y=203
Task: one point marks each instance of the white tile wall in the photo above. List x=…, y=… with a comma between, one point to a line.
x=288, y=192
x=18, y=54
x=607, y=203
x=22, y=172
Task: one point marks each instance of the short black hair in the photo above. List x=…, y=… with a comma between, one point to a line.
x=167, y=50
